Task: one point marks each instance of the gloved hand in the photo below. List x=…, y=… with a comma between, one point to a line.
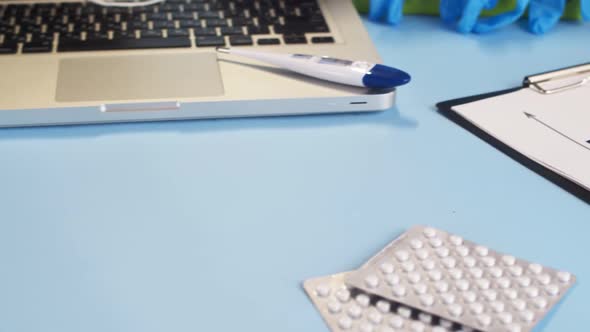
x=390, y=9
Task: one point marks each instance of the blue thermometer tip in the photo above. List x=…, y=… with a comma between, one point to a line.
x=384, y=77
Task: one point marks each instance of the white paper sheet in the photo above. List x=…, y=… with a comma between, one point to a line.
x=553, y=130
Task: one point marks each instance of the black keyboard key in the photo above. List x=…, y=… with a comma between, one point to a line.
x=294, y=28
x=201, y=32
x=210, y=41
x=237, y=21
x=269, y=41
x=8, y=47
x=208, y=15
x=194, y=7
x=66, y=45
x=295, y=39
x=164, y=25
x=216, y=22
x=231, y=31
x=37, y=47
x=178, y=33
x=183, y=16
x=189, y=23
x=151, y=34
x=156, y=16
x=322, y=40
x=258, y=30
x=240, y=40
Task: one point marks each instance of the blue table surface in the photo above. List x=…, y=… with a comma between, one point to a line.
x=213, y=225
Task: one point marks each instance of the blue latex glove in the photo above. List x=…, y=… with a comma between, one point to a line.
x=585, y=6
x=377, y=9
x=544, y=14
x=392, y=10
x=491, y=23
x=464, y=13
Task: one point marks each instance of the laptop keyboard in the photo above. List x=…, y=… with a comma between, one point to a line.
x=77, y=26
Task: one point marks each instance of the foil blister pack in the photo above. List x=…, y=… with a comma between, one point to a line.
x=452, y=283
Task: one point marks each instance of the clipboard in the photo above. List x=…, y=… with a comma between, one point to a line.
x=537, y=82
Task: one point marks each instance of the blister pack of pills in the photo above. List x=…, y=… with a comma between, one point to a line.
x=459, y=281
x=346, y=309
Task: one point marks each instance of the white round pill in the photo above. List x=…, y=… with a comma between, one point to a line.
x=398, y=290
x=442, y=252
x=524, y=281
x=322, y=290
x=345, y=323
x=469, y=297
x=404, y=311
x=552, y=289
x=519, y=304
x=383, y=306
x=441, y=286
x=514, y=328
x=392, y=279
x=484, y=320
x=435, y=275
x=527, y=316
x=354, y=311
x=462, y=250
x=496, y=272
x=488, y=261
x=387, y=268
x=422, y=254
x=456, y=240
x=469, y=261
x=429, y=232
x=455, y=310
x=448, y=298
x=456, y=273
x=408, y=266
x=483, y=284
x=462, y=284
x=420, y=288
x=535, y=268
x=366, y=327
x=363, y=300
x=540, y=302
x=476, y=272
x=428, y=264
x=510, y=293
x=508, y=260
x=417, y=327
x=372, y=281
x=343, y=295
x=427, y=300
x=497, y=306
x=402, y=255
x=375, y=317
x=445, y=323
x=505, y=317
x=414, y=277
x=504, y=283
x=544, y=279
x=564, y=276
x=396, y=322
x=425, y=318
x=334, y=307
x=531, y=292
x=416, y=244
x=435, y=242
x=481, y=250
x=476, y=308
x=516, y=270
x=490, y=294
x=449, y=262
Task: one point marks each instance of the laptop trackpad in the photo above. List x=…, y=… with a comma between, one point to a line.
x=160, y=76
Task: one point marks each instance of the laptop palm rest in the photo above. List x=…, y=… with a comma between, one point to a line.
x=137, y=77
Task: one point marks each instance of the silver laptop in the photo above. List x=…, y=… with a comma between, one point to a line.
x=78, y=62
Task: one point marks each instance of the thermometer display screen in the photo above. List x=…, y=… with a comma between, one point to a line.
x=333, y=61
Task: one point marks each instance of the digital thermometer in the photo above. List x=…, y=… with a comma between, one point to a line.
x=355, y=73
